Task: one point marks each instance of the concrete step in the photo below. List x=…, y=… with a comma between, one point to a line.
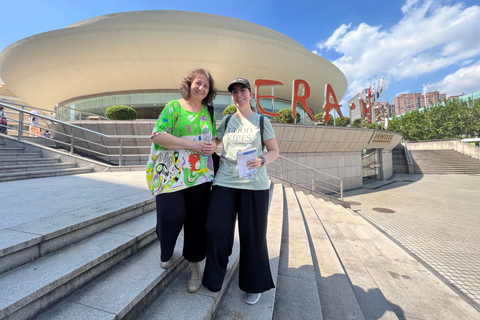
x=124, y=291
x=8, y=156
x=175, y=302
x=26, y=161
x=31, y=288
x=36, y=167
x=337, y=298
x=444, y=162
x=42, y=173
x=234, y=303
x=8, y=150
x=387, y=281
x=340, y=230
x=297, y=291
x=25, y=242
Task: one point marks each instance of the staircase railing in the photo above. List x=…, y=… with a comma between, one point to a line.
x=80, y=114
x=408, y=155
x=303, y=175
x=72, y=141
x=282, y=167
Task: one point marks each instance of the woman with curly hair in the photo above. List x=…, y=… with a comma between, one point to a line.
x=180, y=171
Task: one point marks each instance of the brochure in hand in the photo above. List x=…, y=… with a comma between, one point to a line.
x=243, y=156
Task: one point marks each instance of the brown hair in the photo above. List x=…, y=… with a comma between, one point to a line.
x=187, y=83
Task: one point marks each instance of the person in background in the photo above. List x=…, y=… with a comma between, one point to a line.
x=47, y=134
x=34, y=121
x=245, y=198
x=3, y=121
x=180, y=172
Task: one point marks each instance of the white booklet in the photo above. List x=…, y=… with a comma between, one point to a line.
x=243, y=157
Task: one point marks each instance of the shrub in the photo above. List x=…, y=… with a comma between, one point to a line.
x=286, y=116
x=121, y=112
x=231, y=109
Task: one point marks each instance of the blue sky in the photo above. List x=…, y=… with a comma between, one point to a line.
x=409, y=43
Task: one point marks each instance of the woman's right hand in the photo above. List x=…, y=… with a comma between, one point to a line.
x=209, y=148
x=198, y=146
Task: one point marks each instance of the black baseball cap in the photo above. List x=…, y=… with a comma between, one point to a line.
x=239, y=81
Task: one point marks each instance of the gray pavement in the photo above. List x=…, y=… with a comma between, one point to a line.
x=436, y=218
x=25, y=201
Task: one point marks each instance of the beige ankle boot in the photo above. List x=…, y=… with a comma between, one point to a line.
x=167, y=264
x=195, y=280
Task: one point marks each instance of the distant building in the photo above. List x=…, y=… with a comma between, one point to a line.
x=389, y=108
x=414, y=101
x=475, y=96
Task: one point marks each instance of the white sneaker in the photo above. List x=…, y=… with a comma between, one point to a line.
x=252, y=298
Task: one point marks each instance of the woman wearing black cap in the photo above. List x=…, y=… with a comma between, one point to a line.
x=246, y=197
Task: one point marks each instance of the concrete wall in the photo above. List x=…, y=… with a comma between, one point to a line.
x=456, y=145
x=334, y=150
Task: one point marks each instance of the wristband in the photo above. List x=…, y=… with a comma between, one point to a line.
x=263, y=161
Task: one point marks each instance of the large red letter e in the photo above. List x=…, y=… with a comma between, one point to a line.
x=263, y=82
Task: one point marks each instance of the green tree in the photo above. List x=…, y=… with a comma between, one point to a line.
x=121, y=112
x=286, y=116
x=231, y=109
x=450, y=119
x=357, y=123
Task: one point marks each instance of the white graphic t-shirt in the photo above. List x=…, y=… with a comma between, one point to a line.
x=237, y=136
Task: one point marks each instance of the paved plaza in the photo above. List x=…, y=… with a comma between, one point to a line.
x=436, y=218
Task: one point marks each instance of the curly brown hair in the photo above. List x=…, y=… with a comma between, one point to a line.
x=187, y=83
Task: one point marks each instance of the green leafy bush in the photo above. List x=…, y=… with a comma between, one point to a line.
x=231, y=109
x=286, y=116
x=121, y=112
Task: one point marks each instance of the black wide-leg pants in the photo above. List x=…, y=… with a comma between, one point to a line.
x=252, y=209
x=187, y=208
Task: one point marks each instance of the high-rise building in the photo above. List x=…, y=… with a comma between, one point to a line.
x=413, y=101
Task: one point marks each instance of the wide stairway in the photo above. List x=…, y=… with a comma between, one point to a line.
x=327, y=263
x=444, y=162
x=17, y=164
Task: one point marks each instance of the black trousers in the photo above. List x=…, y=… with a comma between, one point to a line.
x=252, y=209
x=187, y=208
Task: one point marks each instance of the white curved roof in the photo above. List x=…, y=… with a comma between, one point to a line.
x=152, y=50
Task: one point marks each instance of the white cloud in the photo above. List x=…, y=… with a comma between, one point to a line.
x=331, y=42
x=408, y=5
x=429, y=37
x=465, y=80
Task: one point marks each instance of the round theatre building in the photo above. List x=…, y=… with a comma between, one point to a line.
x=139, y=59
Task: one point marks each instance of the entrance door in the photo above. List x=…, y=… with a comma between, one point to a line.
x=371, y=165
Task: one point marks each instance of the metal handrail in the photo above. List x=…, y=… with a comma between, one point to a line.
x=282, y=167
x=287, y=169
x=82, y=111
x=73, y=139
x=25, y=106
x=408, y=156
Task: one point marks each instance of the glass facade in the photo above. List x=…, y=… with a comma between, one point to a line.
x=149, y=105
x=371, y=165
